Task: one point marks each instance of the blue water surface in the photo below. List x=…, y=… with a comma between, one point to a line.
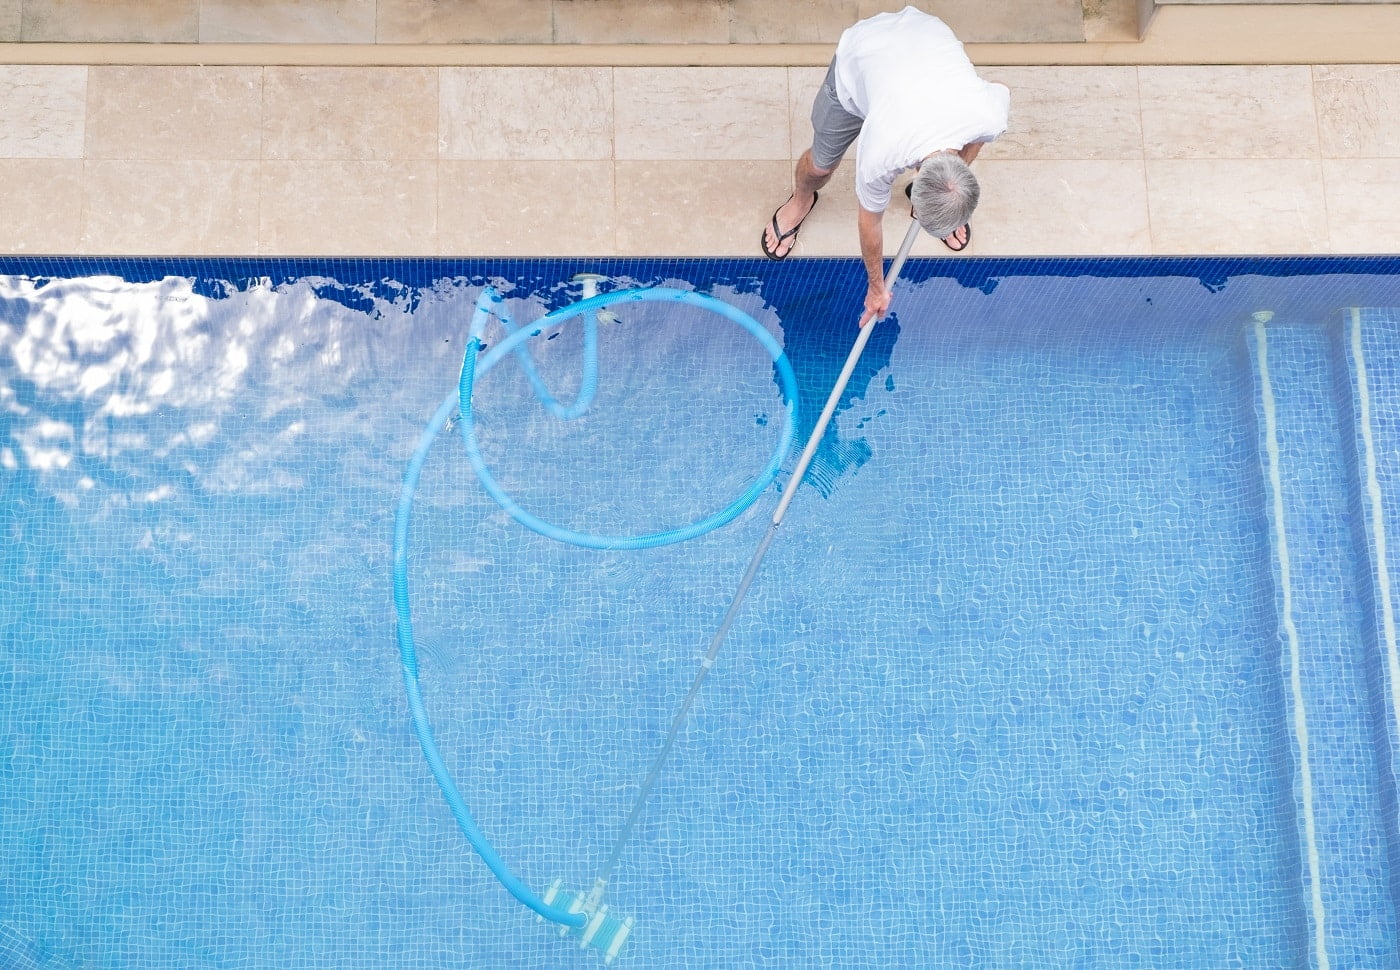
x=1008, y=692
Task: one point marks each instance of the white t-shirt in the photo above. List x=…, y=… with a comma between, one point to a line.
x=909, y=78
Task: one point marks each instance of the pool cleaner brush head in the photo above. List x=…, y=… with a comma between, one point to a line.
x=602, y=931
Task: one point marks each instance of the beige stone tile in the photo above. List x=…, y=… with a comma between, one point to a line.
x=1061, y=207
x=525, y=112
x=641, y=21
x=701, y=113
x=111, y=21
x=1228, y=112
x=44, y=107
x=1203, y=206
x=52, y=225
x=705, y=208
x=1011, y=21
x=165, y=112
x=1363, y=204
x=9, y=21
x=803, y=84
x=1357, y=108
x=464, y=22
x=349, y=113
x=185, y=207
x=791, y=22
x=340, y=208
x=1069, y=112
x=526, y=208
x=286, y=21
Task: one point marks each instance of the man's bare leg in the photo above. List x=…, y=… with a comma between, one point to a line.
x=806, y=180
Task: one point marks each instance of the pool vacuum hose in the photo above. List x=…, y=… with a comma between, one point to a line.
x=587, y=917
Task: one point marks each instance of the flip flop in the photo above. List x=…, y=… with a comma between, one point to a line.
x=967, y=242
x=909, y=194
x=780, y=236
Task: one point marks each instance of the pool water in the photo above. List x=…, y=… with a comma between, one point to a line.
x=1074, y=650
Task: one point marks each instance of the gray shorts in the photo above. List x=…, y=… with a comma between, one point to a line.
x=833, y=127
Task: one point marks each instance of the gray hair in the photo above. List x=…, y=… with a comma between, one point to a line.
x=944, y=194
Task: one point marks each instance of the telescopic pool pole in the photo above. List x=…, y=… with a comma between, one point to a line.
x=799, y=470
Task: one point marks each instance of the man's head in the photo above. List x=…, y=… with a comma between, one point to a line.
x=944, y=194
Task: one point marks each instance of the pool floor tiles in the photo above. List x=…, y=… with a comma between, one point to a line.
x=1339, y=721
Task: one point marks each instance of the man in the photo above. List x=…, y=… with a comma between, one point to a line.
x=902, y=82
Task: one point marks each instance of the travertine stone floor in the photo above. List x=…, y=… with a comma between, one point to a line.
x=672, y=161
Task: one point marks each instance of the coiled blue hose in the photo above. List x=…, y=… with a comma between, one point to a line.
x=488, y=305
x=589, y=308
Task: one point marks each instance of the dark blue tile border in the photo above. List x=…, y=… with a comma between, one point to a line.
x=974, y=272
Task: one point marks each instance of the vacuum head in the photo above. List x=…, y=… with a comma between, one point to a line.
x=602, y=932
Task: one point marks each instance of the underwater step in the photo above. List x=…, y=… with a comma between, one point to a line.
x=603, y=932
x=1371, y=347
x=1310, y=497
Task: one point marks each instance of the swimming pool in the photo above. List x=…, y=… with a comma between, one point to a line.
x=1076, y=650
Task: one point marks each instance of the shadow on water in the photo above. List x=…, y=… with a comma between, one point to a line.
x=817, y=345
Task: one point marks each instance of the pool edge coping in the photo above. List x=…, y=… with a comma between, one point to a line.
x=1177, y=35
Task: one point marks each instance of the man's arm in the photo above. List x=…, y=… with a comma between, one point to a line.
x=872, y=253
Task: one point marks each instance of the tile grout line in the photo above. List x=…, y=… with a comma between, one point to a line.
x=1142, y=149
x=792, y=148
x=262, y=155
x=85, y=194
x=1321, y=159
x=437, y=153
x=612, y=142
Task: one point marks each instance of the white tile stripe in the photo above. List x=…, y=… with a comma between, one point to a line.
x=1300, y=720
x=1373, y=493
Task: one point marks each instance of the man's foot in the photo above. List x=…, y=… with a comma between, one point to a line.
x=960, y=238
x=776, y=241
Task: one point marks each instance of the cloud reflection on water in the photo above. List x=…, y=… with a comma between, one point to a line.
x=105, y=382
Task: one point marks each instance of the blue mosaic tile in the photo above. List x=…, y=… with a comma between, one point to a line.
x=1008, y=691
